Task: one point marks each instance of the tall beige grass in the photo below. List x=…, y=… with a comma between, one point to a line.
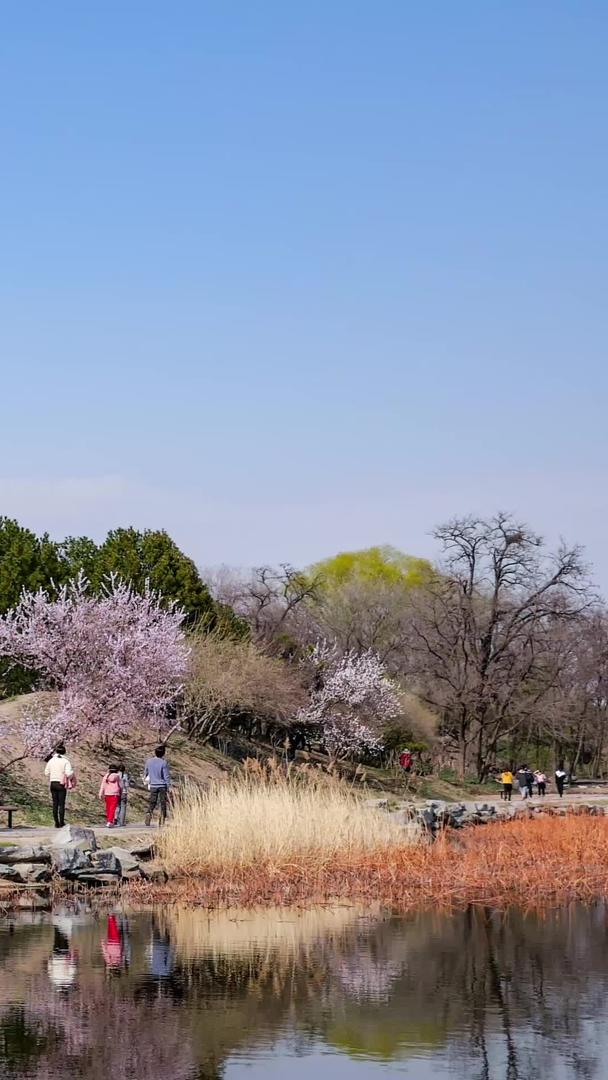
x=249, y=822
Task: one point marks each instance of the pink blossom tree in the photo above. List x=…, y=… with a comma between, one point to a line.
x=353, y=701
x=114, y=659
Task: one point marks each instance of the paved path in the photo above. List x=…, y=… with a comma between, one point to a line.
x=26, y=834
x=29, y=833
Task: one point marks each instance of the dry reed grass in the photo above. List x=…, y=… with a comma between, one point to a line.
x=533, y=864
x=251, y=821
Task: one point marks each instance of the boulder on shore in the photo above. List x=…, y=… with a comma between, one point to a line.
x=127, y=861
x=31, y=873
x=70, y=861
x=11, y=855
x=106, y=862
x=75, y=836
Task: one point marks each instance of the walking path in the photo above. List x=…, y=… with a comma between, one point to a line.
x=29, y=833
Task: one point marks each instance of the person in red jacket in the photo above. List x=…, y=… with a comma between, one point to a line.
x=110, y=791
x=405, y=760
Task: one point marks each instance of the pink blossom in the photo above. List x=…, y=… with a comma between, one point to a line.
x=115, y=659
x=354, y=700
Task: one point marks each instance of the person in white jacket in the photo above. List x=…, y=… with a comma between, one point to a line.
x=59, y=770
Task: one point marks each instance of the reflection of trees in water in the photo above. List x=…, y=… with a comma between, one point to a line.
x=101, y=1034
x=473, y=986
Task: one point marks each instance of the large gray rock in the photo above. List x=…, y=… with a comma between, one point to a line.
x=75, y=836
x=95, y=878
x=127, y=861
x=426, y=817
x=31, y=873
x=9, y=873
x=155, y=874
x=11, y=855
x=106, y=862
x=70, y=861
x=142, y=851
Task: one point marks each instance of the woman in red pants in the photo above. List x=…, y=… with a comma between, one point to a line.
x=110, y=791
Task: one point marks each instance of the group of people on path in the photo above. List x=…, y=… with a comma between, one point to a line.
x=526, y=779
x=114, y=788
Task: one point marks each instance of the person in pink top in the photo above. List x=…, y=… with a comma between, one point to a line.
x=110, y=791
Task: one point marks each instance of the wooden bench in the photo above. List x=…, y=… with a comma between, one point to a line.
x=10, y=810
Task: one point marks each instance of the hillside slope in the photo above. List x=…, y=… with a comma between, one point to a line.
x=24, y=784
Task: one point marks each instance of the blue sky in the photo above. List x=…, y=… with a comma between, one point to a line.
x=292, y=278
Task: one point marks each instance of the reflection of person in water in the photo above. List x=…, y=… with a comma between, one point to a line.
x=160, y=956
x=61, y=965
x=112, y=946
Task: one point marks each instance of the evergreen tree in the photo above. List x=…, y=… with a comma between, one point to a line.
x=27, y=562
x=153, y=556
x=80, y=554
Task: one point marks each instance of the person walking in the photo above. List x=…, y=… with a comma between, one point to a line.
x=125, y=783
x=530, y=782
x=522, y=781
x=506, y=779
x=157, y=779
x=110, y=791
x=560, y=780
x=541, y=782
x=60, y=773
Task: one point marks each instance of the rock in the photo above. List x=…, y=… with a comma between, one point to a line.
x=142, y=851
x=9, y=873
x=94, y=879
x=106, y=862
x=75, y=836
x=33, y=901
x=70, y=861
x=426, y=817
x=16, y=854
x=376, y=804
x=132, y=875
x=127, y=861
x=155, y=874
x=31, y=873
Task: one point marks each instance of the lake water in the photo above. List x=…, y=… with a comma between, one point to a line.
x=339, y=993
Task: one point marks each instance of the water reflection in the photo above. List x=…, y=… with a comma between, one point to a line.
x=197, y=996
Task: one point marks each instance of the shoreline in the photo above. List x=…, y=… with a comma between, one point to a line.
x=534, y=864
x=532, y=861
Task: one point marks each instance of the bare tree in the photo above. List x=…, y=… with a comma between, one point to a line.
x=573, y=717
x=480, y=631
x=270, y=599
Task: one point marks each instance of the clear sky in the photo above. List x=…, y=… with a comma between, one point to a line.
x=287, y=278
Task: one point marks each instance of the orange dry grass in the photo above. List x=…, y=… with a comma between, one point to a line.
x=532, y=864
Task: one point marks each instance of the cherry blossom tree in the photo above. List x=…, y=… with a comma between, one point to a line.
x=114, y=659
x=352, y=701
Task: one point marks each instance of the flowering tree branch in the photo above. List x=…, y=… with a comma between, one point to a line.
x=351, y=703
x=114, y=660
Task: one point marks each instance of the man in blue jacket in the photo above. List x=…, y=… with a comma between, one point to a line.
x=157, y=779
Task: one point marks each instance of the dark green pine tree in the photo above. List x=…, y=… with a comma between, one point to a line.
x=153, y=556
x=27, y=562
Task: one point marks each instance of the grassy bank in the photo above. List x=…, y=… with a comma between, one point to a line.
x=530, y=863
